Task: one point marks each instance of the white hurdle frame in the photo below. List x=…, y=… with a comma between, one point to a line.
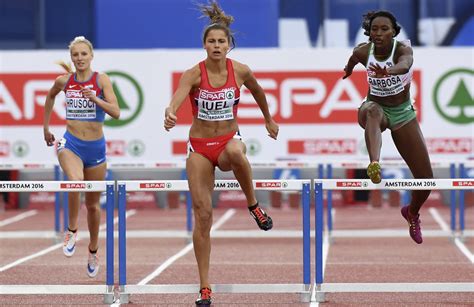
x=388, y=184
x=304, y=289
x=70, y=186
x=399, y=164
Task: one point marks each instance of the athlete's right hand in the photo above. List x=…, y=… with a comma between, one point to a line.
x=49, y=138
x=170, y=119
x=347, y=71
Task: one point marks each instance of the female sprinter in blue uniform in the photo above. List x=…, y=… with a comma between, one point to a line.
x=81, y=151
x=213, y=87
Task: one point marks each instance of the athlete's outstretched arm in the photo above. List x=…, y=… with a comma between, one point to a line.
x=354, y=59
x=188, y=79
x=258, y=94
x=48, y=107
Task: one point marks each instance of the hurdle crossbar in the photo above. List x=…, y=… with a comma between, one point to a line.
x=398, y=287
x=52, y=289
x=398, y=184
x=71, y=186
x=182, y=185
x=391, y=184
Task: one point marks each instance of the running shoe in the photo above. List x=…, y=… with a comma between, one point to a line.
x=204, y=298
x=374, y=171
x=92, y=265
x=263, y=220
x=414, y=225
x=69, y=246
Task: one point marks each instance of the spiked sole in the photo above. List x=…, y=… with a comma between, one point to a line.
x=374, y=171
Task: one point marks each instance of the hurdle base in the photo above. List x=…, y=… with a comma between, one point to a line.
x=319, y=295
x=302, y=289
x=124, y=297
x=109, y=296
x=305, y=297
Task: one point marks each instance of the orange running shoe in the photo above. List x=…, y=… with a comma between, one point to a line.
x=204, y=298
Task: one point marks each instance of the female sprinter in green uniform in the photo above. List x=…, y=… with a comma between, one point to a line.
x=389, y=66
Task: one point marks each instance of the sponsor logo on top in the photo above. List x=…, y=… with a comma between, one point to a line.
x=155, y=185
x=449, y=145
x=78, y=186
x=351, y=184
x=271, y=184
x=4, y=149
x=322, y=146
x=463, y=183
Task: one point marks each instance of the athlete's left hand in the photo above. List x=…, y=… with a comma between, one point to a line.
x=272, y=128
x=379, y=71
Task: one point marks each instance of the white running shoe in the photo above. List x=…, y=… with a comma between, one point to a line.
x=69, y=246
x=92, y=265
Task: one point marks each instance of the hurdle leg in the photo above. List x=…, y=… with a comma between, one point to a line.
x=109, y=296
x=318, y=191
x=122, y=206
x=305, y=202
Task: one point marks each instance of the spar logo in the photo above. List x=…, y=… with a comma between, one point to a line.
x=271, y=184
x=78, y=186
x=22, y=98
x=463, y=183
x=304, y=97
x=116, y=148
x=449, y=145
x=322, y=146
x=453, y=96
x=351, y=184
x=4, y=149
x=155, y=185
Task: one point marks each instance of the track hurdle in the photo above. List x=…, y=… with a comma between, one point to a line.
x=389, y=184
x=389, y=164
x=304, y=289
x=463, y=173
x=181, y=166
x=70, y=186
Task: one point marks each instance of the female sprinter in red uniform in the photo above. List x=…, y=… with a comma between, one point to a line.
x=214, y=139
x=81, y=151
x=389, y=66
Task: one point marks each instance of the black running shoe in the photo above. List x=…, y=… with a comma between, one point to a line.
x=263, y=220
x=204, y=297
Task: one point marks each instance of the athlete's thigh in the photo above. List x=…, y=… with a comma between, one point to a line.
x=371, y=106
x=200, y=172
x=411, y=146
x=71, y=164
x=233, y=147
x=94, y=173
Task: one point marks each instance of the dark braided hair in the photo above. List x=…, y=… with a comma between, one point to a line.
x=370, y=16
x=218, y=20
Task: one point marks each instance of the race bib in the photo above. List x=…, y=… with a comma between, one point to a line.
x=216, y=105
x=78, y=107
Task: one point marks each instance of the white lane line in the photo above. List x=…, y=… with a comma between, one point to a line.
x=52, y=248
x=18, y=217
x=227, y=215
x=326, y=242
x=437, y=217
x=462, y=247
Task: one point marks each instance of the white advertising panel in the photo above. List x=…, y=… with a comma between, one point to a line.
x=316, y=109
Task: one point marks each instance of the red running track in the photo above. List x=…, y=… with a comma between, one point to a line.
x=248, y=260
